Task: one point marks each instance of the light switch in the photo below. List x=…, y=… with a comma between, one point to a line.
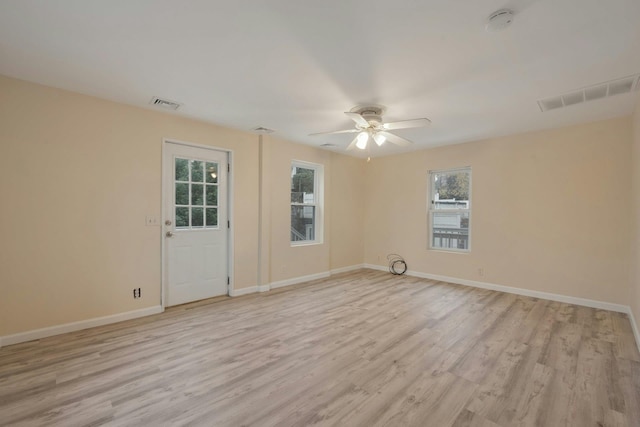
x=151, y=220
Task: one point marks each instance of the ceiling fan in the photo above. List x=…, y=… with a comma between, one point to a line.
x=369, y=125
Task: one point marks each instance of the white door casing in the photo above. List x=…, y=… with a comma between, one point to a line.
x=194, y=223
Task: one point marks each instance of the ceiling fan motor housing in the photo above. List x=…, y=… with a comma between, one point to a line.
x=371, y=113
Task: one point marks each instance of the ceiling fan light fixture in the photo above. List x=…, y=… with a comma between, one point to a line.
x=363, y=137
x=379, y=139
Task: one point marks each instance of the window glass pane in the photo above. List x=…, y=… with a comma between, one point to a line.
x=451, y=190
x=197, y=196
x=182, y=170
x=450, y=230
x=182, y=194
x=212, y=217
x=302, y=182
x=182, y=217
x=212, y=195
x=197, y=217
x=211, y=173
x=196, y=171
x=303, y=223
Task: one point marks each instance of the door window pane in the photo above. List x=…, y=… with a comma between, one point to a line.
x=197, y=198
x=182, y=194
x=197, y=217
x=196, y=171
x=211, y=173
x=182, y=170
x=182, y=217
x=212, y=217
x=212, y=195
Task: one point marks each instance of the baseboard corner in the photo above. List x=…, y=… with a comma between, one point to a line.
x=634, y=327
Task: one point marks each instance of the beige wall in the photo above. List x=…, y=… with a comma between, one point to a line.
x=347, y=210
x=79, y=175
x=551, y=210
x=635, y=246
x=343, y=212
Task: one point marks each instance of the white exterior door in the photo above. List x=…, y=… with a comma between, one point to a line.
x=194, y=222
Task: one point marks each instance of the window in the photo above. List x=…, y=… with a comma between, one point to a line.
x=450, y=209
x=196, y=194
x=306, y=203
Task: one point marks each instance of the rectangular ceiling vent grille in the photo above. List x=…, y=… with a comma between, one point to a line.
x=591, y=93
x=165, y=103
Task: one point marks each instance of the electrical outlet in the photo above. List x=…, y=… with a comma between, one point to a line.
x=151, y=220
x=137, y=293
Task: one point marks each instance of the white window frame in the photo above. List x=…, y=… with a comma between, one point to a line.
x=318, y=195
x=431, y=209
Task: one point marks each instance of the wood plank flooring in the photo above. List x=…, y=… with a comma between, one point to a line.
x=358, y=349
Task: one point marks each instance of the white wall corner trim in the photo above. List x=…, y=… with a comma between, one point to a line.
x=636, y=333
x=37, y=334
x=518, y=291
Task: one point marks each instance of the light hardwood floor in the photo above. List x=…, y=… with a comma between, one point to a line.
x=358, y=349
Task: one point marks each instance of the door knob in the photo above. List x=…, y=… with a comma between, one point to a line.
x=167, y=222
x=169, y=234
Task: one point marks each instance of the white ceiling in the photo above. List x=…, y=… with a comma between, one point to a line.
x=296, y=65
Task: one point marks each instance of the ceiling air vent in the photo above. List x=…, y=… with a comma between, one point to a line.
x=262, y=129
x=164, y=103
x=591, y=93
x=327, y=145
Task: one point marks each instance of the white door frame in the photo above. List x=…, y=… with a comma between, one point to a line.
x=164, y=284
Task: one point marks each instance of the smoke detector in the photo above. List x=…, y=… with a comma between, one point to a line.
x=499, y=20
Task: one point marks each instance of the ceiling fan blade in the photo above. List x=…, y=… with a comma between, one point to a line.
x=353, y=144
x=335, y=132
x=404, y=124
x=395, y=139
x=360, y=121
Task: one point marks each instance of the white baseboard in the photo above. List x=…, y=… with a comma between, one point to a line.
x=300, y=279
x=292, y=281
x=37, y=334
x=634, y=326
x=346, y=269
x=519, y=291
x=242, y=291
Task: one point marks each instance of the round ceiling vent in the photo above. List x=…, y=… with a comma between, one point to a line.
x=499, y=20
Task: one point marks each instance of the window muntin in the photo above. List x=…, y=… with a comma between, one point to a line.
x=306, y=200
x=196, y=194
x=450, y=210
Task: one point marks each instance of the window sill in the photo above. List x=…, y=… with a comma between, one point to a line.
x=306, y=243
x=450, y=251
